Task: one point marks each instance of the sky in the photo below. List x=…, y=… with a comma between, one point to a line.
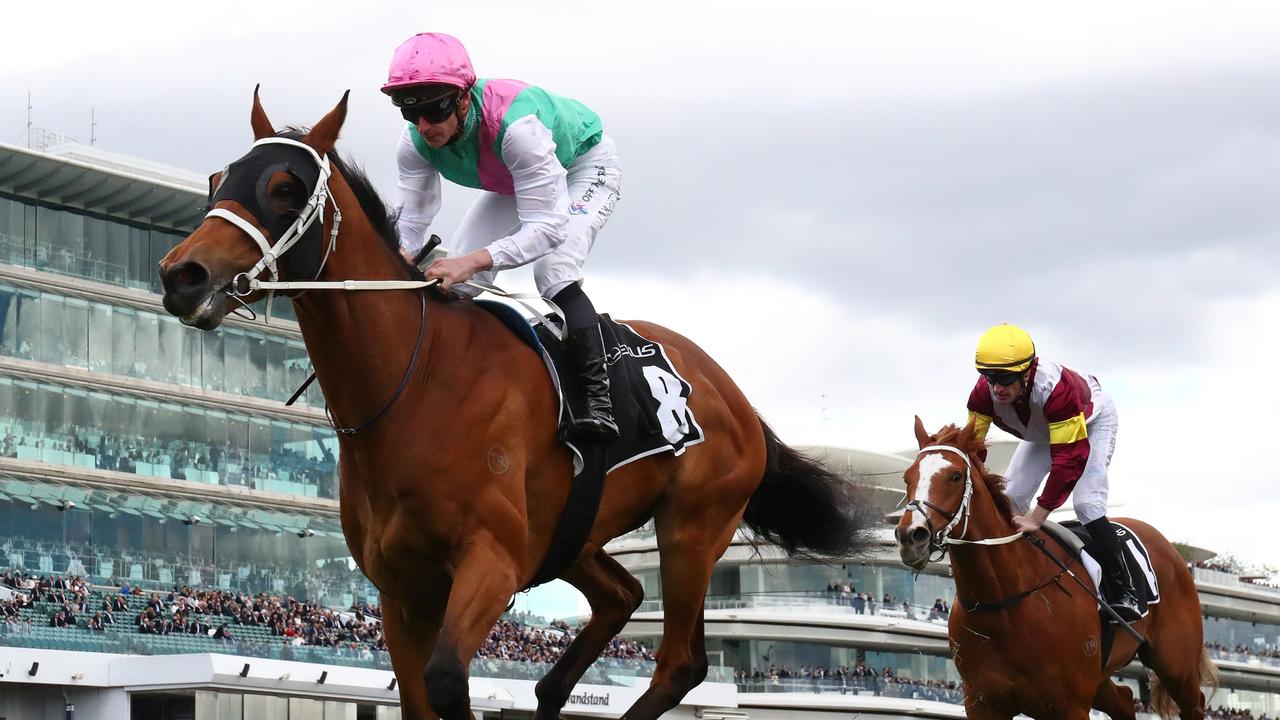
x=834, y=199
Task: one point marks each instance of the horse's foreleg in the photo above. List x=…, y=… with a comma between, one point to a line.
x=410, y=635
x=1115, y=700
x=482, y=586
x=614, y=594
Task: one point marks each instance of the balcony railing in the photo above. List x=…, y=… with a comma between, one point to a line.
x=606, y=671
x=1226, y=579
x=873, y=686
x=1262, y=661
x=809, y=602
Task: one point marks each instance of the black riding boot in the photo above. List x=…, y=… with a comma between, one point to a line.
x=595, y=421
x=1117, y=585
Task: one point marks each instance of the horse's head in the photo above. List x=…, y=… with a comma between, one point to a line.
x=271, y=200
x=939, y=486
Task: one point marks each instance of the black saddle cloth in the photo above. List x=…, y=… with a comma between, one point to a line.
x=1073, y=537
x=650, y=406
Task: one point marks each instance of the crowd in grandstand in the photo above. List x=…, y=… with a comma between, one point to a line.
x=1223, y=713
x=327, y=582
x=844, y=593
x=213, y=612
x=1241, y=649
x=233, y=465
x=218, y=613
x=509, y=640
x=70, y=602
x=1265, y=576
x=860, y=677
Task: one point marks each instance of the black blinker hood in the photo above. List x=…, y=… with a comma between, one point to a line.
x=245, y=182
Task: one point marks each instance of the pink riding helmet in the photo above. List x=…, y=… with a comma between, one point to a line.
x=430, y=58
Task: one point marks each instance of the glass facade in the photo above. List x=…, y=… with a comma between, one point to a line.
x=67, y=242
x=144, y=541
x=70, y=426
x=751, y=579
x=750, y=656
x=1230, y=634
x=95, y=336
x=71, y=243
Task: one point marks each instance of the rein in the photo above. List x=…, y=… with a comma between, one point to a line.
x=940, y=541
x=404, y=382
x=248, y=282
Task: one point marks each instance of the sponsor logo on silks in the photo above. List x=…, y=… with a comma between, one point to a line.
x=617, y=352
x=577, y=209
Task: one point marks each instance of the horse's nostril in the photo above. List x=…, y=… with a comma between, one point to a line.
x=919, y=535
x=186, y=275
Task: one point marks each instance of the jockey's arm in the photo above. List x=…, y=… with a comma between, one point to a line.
x=1068, y=444
x=542, y=195
x=419, y=195
x=980, y=413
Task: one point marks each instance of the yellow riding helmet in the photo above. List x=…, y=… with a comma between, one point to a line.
x=1006, y=348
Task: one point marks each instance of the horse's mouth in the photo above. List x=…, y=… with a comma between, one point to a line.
x=206, y=314
x=913, y=560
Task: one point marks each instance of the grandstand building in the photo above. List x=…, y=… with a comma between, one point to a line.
x=141, y=455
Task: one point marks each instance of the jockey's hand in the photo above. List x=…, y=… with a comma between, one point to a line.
x=1032, y=520
x=459, y=269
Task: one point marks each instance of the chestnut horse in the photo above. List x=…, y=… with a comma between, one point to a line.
x=452, y=489
x=1038, y=652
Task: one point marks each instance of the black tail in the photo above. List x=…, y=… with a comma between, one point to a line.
x=806, y=509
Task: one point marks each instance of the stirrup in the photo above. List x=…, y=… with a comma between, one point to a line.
x=1126, y=606
x=593, y=428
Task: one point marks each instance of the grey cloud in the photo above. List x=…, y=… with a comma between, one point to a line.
x=1113, y=211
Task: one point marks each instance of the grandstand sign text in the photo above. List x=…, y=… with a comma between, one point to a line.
x=586, y=698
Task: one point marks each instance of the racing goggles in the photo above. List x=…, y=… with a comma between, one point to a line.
x=1003, y=378
x=434, y=110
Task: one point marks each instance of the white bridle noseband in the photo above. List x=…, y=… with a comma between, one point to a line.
x=940, y=540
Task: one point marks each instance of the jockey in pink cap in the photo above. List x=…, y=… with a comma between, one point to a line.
x=551, y=180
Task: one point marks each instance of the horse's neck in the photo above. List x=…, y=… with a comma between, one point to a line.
x=362, y=342
x=989, y=573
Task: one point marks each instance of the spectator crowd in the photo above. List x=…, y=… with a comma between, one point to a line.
x=844, y=593
x=222, y=614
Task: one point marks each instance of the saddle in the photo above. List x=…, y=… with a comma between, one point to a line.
x=1074, y=538
x=650, y=406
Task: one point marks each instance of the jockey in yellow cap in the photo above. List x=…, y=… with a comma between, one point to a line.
x=1068, y=430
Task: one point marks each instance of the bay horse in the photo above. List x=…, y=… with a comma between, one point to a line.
x=1024, y=636
x=450, y=492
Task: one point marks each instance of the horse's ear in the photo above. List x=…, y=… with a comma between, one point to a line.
x=324, y=135
x=262, y=127
x=922, y=435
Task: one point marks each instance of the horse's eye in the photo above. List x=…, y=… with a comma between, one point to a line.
x=284, y=191
x=956, y=477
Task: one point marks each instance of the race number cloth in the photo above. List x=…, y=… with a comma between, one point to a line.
x=1145, y=585
x=650, y=407
x=650, y=398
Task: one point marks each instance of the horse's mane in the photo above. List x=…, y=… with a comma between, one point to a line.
x=382, y=219
x=952, y=435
